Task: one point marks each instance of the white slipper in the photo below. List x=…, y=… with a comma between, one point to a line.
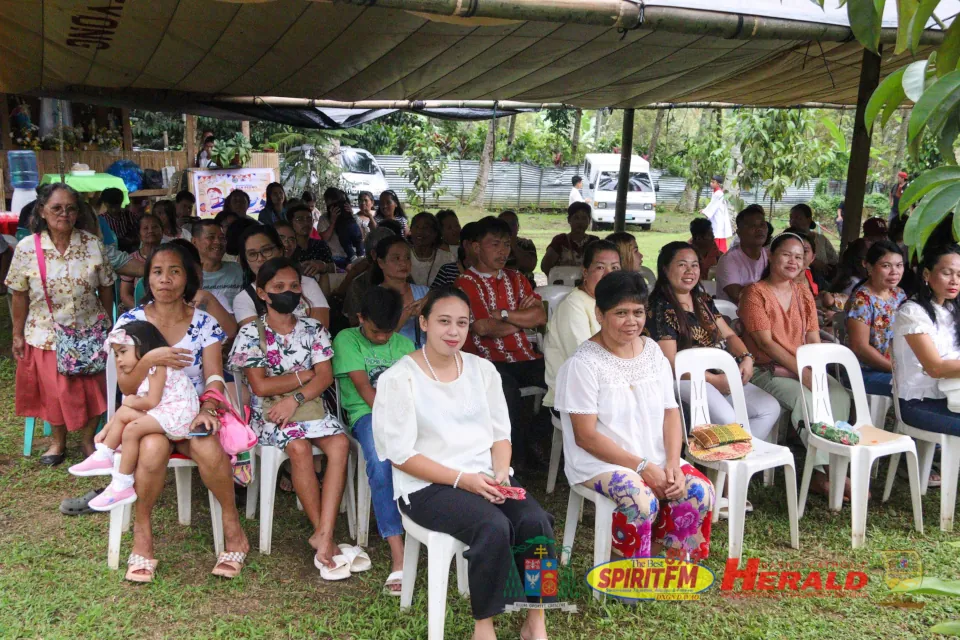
x=357, y=557
x=724, y=511
x=395, y=578
x=340, y=572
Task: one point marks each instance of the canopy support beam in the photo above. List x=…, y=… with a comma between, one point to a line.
x=626, y=152
x=859, y=150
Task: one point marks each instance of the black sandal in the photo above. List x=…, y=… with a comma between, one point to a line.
x=79, y=506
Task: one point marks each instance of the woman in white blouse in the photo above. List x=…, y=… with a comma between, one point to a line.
x=575, y=319
x=441, y=419
x=622, y=431
x=926, y=339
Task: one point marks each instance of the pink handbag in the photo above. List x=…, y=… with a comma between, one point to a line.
x=235, y=433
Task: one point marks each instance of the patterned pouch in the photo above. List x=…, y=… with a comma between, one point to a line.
x=243, y=469
x=714, y=435
x=835, y=434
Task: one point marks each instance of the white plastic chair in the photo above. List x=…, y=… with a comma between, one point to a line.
x=764, y=456
x=182, y=466
x=879, y=405
x=648, y=276
x=552, y=295
x=710, y=286
x=556, y=448
x=602, y=525
x=441, y=548
x=860, y=457
x=566, y=275
x=926, y=442
x=727, y=309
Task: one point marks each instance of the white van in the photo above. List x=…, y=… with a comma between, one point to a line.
x=360, y=172
x=601, y=171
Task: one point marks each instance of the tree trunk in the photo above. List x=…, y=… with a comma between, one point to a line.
x=512, y=130
x=575, y=140
x=901, y=147
x=655, y=136
x=597, y=123
x=690, y=200
x=486, y=163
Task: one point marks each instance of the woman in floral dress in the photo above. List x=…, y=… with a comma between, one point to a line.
x=622, y=431
x=288, y=357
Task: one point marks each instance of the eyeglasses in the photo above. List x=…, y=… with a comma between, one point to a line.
x=64, y=211
x=288, y=239
x=264, y=254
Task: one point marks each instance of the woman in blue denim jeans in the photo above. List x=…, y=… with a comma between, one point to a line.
x=925, y=344
x=870, y=312
x=360, y=356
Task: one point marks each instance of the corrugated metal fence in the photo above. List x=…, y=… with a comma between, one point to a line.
x=519, y=185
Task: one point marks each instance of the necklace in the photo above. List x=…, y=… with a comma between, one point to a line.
x=434, y=373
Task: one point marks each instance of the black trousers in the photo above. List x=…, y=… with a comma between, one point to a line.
x=492, y=531
x=514, y=376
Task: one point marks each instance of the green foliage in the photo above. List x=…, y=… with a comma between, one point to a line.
x=704, y=154
x=426, y=162
x=309, y=158
x=779, y=148
x=824, y=205
x=232, y=152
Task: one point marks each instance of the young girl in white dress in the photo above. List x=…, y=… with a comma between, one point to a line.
x=166, y=402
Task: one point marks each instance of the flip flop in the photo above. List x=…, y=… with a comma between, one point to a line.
x=358, y=558
x=79, y=506
x=395, y=579
x=137, y=563
x=233, y=563
x=340, y=572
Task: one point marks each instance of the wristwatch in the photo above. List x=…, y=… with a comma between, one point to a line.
x=504, y=314
x=300, y=398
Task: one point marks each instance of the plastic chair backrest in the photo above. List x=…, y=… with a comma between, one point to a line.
x=710, y=286
x=727, y=309
x=552, y=295
x=111, y=384
x=696, y=362
x=818, y=357
x=649, y=277
x=566, y=275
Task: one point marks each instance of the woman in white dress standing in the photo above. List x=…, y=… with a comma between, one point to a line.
x=716, y=211
x=441, y=418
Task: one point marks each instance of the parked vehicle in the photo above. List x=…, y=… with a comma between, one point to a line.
x=360, y=172
x=600, y=176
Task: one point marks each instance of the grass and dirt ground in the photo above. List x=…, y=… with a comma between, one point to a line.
x=54, y=580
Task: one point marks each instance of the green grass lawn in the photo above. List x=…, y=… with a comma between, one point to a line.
x=54, y=580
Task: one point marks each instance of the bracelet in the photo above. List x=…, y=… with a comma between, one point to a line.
x=297, y=373
x=457, y=481
x=743, y=356
x=641, y=466
x=215, y=378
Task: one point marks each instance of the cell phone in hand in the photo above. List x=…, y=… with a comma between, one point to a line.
x=199, y=434
x=513, y=493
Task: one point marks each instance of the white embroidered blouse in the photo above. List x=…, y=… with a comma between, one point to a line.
x=629, y=398
x=912, y=381
x=452, y=423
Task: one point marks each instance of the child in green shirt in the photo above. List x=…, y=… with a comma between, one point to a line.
x=360, y=356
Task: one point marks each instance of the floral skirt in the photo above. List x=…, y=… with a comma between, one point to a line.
x=681, y=527
x=271, y=435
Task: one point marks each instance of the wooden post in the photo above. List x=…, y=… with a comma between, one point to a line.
x=859, y=150
x=5, y=141
x=245, y=129
x=190, y=139
x=626, y=151
x=126, y=129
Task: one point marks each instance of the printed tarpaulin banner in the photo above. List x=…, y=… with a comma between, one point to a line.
x=212, y=186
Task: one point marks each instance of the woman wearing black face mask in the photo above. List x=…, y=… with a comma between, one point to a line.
x=286, y=359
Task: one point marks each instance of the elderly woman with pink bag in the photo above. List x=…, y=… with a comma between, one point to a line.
x=62, y=286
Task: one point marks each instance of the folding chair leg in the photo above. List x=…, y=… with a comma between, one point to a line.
x=184, y=478
x=860, y=464
x=736, y=510
x=805, y=481
x=411, y=553
x=949, y=471
x=574, y=504
x=790, y=477
x=718, y=488
x=438, y=578
x=269, y=468
x=363, y=502
x=114, y=537
x=253, y=489
x=914, y=470
x=925, y=451
x=216, y=520
x=838, y=480
x=892, y=474
x=556, y=447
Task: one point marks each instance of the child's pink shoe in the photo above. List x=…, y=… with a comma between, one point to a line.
x=94, y=465
x=111, y=499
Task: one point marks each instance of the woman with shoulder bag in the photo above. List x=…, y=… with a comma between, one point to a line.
x=62, y=285
x=286, y=360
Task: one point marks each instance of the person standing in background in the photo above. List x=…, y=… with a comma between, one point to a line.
x=716, y=212
x=575, y=194
x=895, y=193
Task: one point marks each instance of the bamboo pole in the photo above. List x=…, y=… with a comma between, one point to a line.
x=623, y=180
x=628, y=14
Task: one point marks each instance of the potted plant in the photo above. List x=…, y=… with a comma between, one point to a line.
x=232, y=152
